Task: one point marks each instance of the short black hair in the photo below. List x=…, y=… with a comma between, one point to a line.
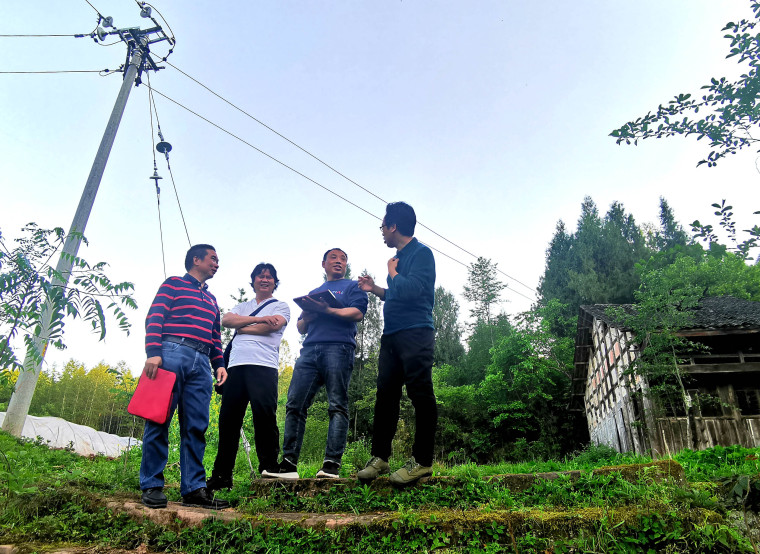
x=260, y=269
x=196, y=251
x=324, y=258
x=402, y=216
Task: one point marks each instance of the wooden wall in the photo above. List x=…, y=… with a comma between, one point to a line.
x=626, y=423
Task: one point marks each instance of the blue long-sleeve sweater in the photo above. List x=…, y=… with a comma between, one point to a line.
x=410, y=295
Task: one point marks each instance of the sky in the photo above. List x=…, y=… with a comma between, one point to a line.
x=491, y=118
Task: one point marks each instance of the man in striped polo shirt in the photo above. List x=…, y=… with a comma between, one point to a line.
x=182, y=335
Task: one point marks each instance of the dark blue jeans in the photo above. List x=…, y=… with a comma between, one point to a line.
x=191, y=398
x=327, y=364
x=406, y=359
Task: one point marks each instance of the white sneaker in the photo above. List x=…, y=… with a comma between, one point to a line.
x=287, y=470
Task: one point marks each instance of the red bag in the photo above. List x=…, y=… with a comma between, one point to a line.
x=153, y=397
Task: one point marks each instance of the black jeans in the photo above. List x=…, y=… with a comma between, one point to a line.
x=406, y=358
x=258, y=385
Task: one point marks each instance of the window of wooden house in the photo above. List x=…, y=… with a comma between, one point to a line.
x=715, y=359
x=748, y=401
x=673, y=406
x=708, y=404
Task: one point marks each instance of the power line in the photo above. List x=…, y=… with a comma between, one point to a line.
x=168, y=165
x=331, y=167
x=301, y=174
x=260, y=151
x=241, y=110
x=151, y=105
x=94, y=8
x=64, y=71
x=38, y=36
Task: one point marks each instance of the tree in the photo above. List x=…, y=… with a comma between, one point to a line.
x=744, y=248
x=31, y=294
x=594, y=265
x=369, y=330
x=448, y=332
x=671, y=232
x=729, y=110
x=361, y=390
x=483, y=288
x=97, y=397
x=483, y=338
x=228, y=333
x=518, y=397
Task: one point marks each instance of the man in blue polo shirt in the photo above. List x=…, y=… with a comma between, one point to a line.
x=182, y=335
x=406, y=348
x=326, y=359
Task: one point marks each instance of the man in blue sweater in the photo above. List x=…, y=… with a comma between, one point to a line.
x=406, y=348
x=182, y=335
x=326, y=359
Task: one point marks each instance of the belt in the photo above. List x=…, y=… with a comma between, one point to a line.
x=201, y=347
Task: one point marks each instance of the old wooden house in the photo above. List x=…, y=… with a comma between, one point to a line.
x=723, y=382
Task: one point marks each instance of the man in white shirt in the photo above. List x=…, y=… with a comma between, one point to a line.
x=252, y=377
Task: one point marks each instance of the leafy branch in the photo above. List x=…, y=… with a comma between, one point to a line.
x=725, y=213
x=31, y=290
x=732, y=108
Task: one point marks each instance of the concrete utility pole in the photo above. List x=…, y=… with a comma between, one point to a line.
x=138, y=57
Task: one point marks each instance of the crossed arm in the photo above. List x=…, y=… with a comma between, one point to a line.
x=247, y=325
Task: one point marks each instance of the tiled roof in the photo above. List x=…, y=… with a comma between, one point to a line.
x=722, y=312
x=726, y=311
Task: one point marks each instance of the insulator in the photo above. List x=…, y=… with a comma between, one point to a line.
x=164, y=147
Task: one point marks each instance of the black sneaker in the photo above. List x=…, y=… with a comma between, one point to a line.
x=287, y=470
x=217, y=483
x=202, y=498
x=154, y=498
x=330, y=470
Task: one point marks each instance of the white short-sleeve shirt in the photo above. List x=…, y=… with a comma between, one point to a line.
x=258, y=349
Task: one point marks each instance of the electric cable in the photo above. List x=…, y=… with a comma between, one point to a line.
x=332, y=168
x=155, y=178
x=61, y=71
x=264, y=153
x=39, y=36
x=168, y=165
x=304, y=176
x=178, y=203
x=77, y=35
x=96, y=9
x=108, y=72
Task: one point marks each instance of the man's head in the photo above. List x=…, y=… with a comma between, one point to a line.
x=264, y=279
x=201, y=261
x=335, y=264
x=398, y=224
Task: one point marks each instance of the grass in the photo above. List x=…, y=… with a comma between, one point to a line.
x=57, y=497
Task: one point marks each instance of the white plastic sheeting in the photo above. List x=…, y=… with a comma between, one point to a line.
x=85, y=441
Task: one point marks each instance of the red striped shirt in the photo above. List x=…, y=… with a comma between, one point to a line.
x=183, y=307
